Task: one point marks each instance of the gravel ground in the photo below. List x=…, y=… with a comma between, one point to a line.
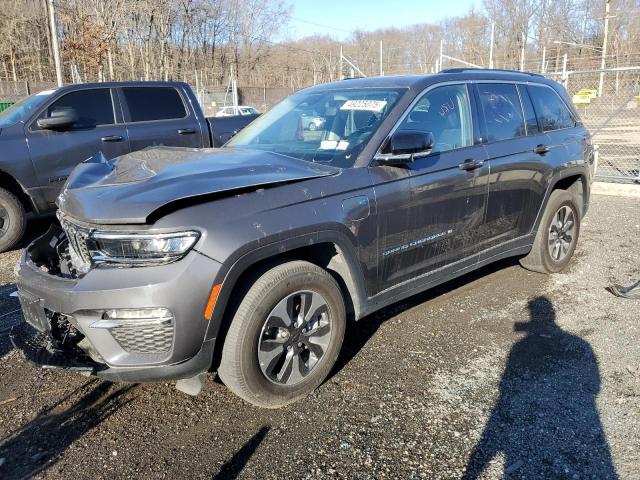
x=503, y=373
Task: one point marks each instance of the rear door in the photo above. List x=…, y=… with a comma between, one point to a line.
x=159, y=115
x=518, y=173
x=55, y=153
x=431, y=210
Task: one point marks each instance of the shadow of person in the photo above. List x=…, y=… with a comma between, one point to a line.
x=38, y=445
x=545, y=422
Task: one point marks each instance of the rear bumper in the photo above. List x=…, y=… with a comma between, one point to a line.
x=137, y=353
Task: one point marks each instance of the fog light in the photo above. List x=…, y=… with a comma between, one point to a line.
x=134, y=317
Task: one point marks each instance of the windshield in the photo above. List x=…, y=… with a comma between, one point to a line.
x=17, y=112
x=331, y=126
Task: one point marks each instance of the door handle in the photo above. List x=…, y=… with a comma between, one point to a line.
x=470, y=164
x=541, y=149
x=112, y=138
x=186, y=131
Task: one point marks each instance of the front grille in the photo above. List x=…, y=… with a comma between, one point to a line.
x=78, y=237
x=145, y=338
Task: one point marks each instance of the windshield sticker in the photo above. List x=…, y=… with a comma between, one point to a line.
x=342, y=145
x=364, y=105
x=328, y=144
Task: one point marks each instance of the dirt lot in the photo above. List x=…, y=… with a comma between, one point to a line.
x=504, y=373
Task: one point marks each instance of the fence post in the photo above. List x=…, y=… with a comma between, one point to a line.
x=565, y=74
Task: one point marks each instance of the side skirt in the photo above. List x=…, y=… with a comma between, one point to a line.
x=517, y=247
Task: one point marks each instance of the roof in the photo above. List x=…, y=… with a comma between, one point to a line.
x=421, y=81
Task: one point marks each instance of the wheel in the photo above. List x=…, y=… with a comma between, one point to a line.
x=12, y=220
x=285, y=335
x=557, y=235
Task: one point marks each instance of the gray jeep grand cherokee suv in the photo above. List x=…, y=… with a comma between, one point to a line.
x=250, y=259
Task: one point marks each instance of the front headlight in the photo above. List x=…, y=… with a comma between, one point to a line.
x=134, y=249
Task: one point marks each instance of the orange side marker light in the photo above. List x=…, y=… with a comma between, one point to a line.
x=208, y=312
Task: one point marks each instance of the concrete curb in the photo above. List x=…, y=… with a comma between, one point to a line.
x=616, y=189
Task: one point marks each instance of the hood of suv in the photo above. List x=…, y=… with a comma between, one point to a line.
x=129, y=188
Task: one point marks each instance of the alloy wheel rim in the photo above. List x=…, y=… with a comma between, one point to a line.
x=294, y=337
x=562, y=233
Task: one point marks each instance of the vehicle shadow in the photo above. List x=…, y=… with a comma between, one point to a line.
x=232, y=467
x=545, y=422
x=358, y=333
x=38, y=445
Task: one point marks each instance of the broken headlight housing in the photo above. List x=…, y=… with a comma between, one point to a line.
x=140, y=249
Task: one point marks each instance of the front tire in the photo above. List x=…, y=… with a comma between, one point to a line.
x=285, y=335
x=12, y=220
x=557, y=235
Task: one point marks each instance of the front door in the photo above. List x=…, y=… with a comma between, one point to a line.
x=55, y=153
x=431, y=210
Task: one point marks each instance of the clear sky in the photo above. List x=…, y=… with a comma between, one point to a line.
x=348, y=15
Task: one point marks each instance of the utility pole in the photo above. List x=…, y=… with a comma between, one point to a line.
x=381, y=69
x=340, y=76
x=543, y=67
x=440, y=61
x=493, y=31
x=54, y=42
x=604, y=45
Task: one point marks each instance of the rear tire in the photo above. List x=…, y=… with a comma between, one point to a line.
x=557, y=235
x=268, y=334
x=12, y=220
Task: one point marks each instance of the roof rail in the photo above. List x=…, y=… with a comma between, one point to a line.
x=467, y=69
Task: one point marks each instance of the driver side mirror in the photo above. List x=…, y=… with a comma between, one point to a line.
x=59, y=119
x=405, y=147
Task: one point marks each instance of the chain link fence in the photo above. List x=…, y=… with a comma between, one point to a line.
x=213, y=99
x=609, y=104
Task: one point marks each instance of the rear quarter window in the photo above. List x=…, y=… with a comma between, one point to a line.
x=552, y=112
x=144, y=104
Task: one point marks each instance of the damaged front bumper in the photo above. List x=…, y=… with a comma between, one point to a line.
x=68, y=322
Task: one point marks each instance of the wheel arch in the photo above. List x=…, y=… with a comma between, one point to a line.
x=330, y=250
x=8, y=182
x=575, y=182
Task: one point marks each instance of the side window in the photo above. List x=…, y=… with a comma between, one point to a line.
x=502, y=111
x=153, y=103
x=550, y=109
x=94, y=107
x=445, y=113
x=529, y=113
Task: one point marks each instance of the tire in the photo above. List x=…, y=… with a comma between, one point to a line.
x=253, y=329
x=543, y=257
x=12, y=220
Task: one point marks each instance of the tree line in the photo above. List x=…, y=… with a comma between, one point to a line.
x=205, y=40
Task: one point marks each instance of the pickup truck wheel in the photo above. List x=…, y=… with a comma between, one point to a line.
x=285, y=335
x=12, y=220
x=557, y=235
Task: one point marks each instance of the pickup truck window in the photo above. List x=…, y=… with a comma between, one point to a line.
x=445, y=113
x=146, y=104
x=94, y=107
x=552, y=112
x=330, y=126
x=502, y=111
